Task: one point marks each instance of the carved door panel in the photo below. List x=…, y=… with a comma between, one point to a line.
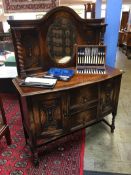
x=107, y=97
x=47, y=113
x=28, y=51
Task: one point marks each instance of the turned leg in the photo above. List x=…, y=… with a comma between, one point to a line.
x=113, y=123
x=35, y=158
x=34, y=152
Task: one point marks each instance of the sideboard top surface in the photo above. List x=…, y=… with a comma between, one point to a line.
x=76, y=81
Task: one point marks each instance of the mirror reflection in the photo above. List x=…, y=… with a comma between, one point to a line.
x=61, y=38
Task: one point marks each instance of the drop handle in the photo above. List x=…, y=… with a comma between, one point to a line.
x=85, y=99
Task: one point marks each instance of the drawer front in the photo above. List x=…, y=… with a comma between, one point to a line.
x=85, y=95
x=82, y=119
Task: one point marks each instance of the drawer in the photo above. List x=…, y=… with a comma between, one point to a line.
x=81, y=119
x=83, y=107
x=83, y=96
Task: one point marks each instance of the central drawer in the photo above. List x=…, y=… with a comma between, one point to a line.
x=85, y=95
x=83, y=118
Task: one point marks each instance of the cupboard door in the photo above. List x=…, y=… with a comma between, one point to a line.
x=107, y=97
x=47, y=115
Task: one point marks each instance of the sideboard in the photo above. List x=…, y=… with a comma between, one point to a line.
x=39, y=45
x=49, y=114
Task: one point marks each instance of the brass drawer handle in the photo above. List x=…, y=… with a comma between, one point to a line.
x=85, y=99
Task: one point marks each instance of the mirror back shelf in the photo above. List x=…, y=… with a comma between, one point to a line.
x=49, y=42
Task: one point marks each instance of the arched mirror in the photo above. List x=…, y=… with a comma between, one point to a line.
x=61, y=38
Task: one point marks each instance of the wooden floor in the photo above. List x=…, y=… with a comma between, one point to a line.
x=109, y=152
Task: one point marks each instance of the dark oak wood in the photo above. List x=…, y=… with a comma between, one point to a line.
x=34, y=40
x=49, y=114
x=4, y=128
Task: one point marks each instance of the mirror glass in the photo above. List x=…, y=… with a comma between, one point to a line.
x=61, y=38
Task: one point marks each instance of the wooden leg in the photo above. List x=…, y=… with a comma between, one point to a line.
x=35, y=158
x=34, y=152
x=7, y=136
x=113, y=123
x=25, y=134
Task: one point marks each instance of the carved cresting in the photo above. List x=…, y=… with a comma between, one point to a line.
x=20, y=53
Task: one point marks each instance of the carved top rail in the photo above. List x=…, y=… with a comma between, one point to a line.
x=48, y=42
